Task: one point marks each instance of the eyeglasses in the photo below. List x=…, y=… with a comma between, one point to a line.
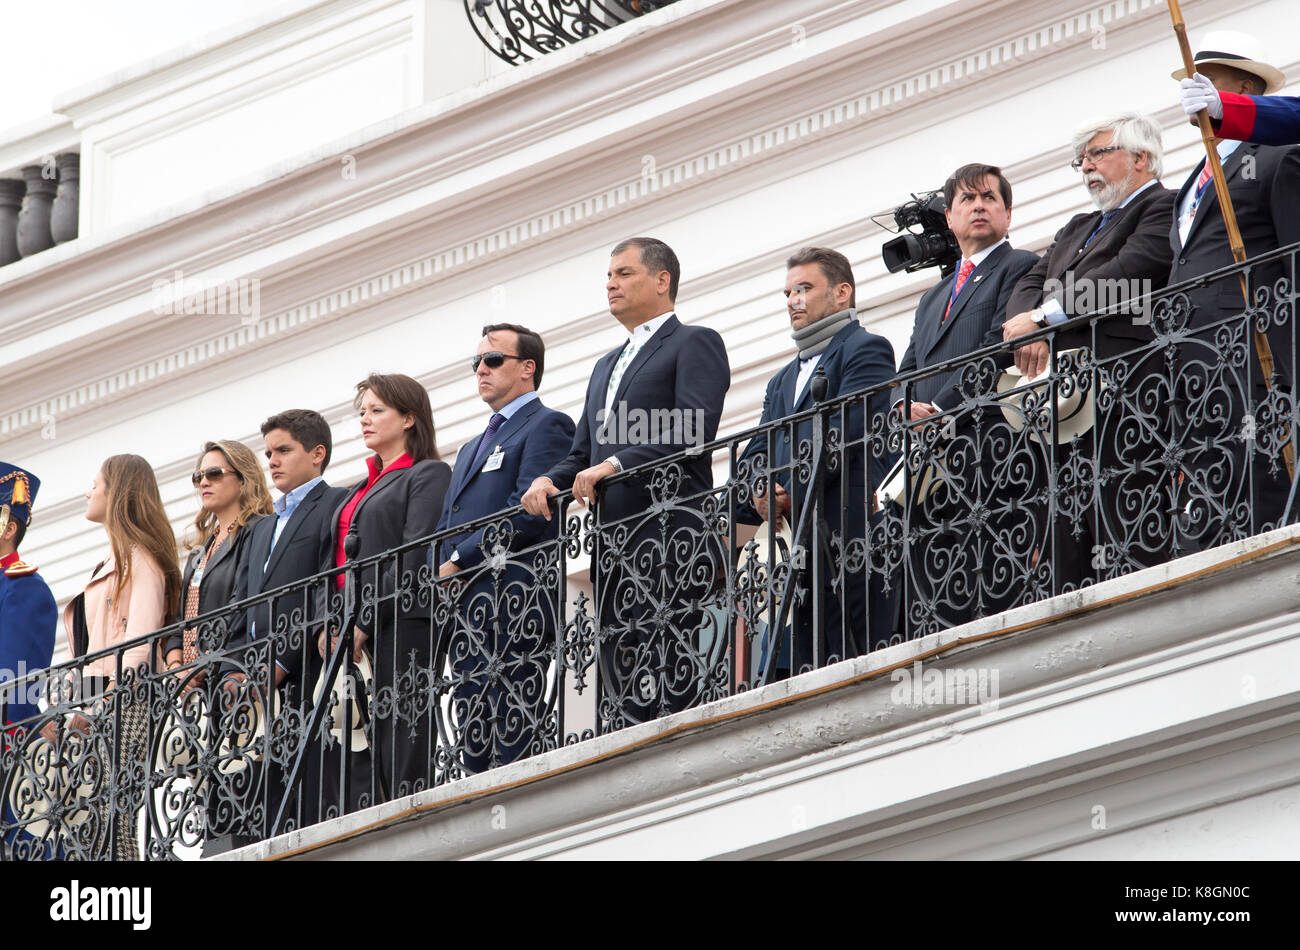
x=211, y=474
x=1094, y=155
x=495, y=360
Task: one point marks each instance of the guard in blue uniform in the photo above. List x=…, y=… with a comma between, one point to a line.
x=27, y=622
x=27, y=612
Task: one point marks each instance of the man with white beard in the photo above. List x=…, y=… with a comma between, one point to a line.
x=1102, y=261
x=1103, y=258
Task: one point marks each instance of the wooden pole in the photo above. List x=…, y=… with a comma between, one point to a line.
x=1262, y=348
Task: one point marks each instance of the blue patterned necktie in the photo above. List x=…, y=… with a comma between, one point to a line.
x=1105, y=219
x=493, y=425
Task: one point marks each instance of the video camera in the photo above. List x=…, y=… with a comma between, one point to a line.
x=933, y=245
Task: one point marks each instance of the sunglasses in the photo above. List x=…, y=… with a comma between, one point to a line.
x=211, y=474
x=495, y=360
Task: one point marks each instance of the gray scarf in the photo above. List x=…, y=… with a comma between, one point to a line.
x=815, y=337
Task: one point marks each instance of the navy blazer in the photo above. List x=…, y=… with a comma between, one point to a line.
x=680, y=368
x=530, y=441
x=974, y=322
x=403, y=506
x=302, y=551
x=1133, y=248
x=1264, y=185
x=855, y=360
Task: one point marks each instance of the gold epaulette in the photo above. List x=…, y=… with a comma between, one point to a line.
x=18, y=569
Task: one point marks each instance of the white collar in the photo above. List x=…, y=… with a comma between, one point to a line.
x=978, y=257
x=642, y=334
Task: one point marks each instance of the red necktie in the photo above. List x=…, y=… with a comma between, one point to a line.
x=966, y=267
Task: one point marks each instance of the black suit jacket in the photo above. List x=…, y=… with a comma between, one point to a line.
x=975, y=321
x=854, y=360
x=1133, y=248
x=302, y=551
x=402, y=506
x=680, y=368
x=531, y=441
x=1264, y=184
x=217, y=588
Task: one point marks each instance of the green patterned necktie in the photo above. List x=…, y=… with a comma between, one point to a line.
x=630, y=350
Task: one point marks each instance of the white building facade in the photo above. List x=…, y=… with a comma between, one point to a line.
x=271, y=213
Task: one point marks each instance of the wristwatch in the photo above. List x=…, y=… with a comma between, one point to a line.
x=613, y=460
x=1038, y=316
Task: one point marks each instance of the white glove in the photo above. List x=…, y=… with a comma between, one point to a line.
x=1199, y=93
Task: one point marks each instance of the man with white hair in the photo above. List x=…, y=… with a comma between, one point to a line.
x=1104, y=259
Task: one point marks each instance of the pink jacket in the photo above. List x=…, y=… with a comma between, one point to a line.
x=140, y=609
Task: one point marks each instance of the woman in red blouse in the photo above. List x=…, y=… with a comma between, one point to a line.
x=399, y=502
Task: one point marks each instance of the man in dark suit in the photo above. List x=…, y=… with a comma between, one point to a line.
x=1233, y=443
x=964, y=313
x=821, y=299
x=505, y=619
x=1105, y=261
x=285, y=549
x=959, y=529
x=657, y=557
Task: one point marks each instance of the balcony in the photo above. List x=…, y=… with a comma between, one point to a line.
x=520, y=30
x=992, y=533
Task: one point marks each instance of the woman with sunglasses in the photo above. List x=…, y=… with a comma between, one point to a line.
x=398, y=502
x=131, y=593
x=232, y=497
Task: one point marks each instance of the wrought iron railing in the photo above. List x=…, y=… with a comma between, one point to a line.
x=520, y=30
x=1122, y=456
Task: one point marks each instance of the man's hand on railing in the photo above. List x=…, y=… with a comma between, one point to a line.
x=448, y=568
x=1019, y=325
x=584, y=486
x=923, y=410
x=537, y=500
x=1032, y=359
x=359, y=638
x=780, y=501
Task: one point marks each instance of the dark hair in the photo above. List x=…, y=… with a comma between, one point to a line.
x=972, y=176
x=655, y=256
x=834, y=265
x=308, y=428
x=20, y=532
x=405, y=395
x=529, y=344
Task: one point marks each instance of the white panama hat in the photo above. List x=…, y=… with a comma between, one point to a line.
x=1239, y=50
x=1074, y=410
